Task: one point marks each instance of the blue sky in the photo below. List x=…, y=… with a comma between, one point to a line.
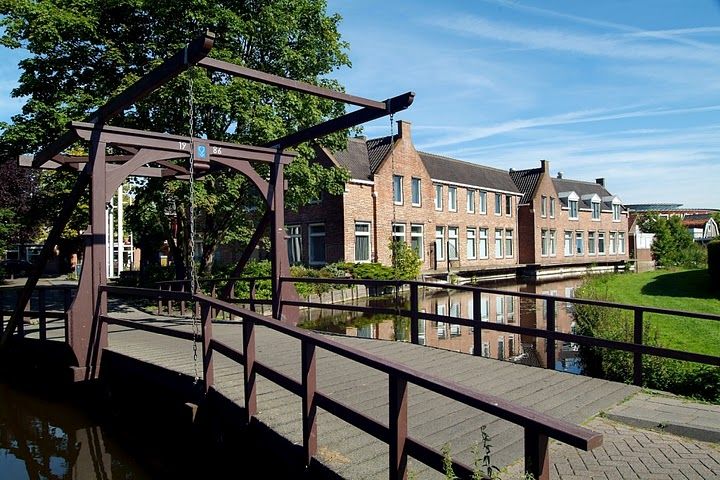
x=625, y=90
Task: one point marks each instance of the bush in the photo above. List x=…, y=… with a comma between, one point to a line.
x=405, y=261
x=713, y=263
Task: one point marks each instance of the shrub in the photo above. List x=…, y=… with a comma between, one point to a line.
x=405, y=261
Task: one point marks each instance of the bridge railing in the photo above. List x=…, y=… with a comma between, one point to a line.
x=538, y=427
x=212, y=287
x=637, y=347
x=46, y=312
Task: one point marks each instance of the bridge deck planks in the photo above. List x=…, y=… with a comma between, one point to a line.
x=432, y=419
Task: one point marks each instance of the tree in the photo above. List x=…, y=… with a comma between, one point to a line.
x=89, y=51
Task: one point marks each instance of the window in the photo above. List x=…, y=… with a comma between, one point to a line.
x=440, y=243
x=470, y=247
x=483, y=202
x=453, y=243
x=543, y=205
x=499, y=308
x=510, y=305
x=573, y=207
x=294, y=244
x=483, y=243
x=601, y=243
x=508, y=205
x=362, y=241
x=508, y=243
x=616, y=212
x=438, y=197
x=398, y=232
x=612, y=241
x=511, y=345
x=553, y=243
x=452, y=199
x=470, y=201
x=485, y=309
x=501, y=348
x=543, y=242
x=568, y=244
x=415, y=194
x=485, y=349
x=498, y=243
x=621, y=243
x=579, y=243
x=596, y=210
x=317, y=243
x=498, y=204
x=591, y=243
x=416, y=240
x=398, y=189
x=552, y=207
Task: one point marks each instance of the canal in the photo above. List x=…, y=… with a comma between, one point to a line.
x=507, y=309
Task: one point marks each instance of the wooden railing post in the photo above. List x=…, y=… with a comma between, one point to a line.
x=42, y=318
x=67, y=302
x=477, y=318
x=208, y=370
x=182, y=302
x=398, y=427
x=537, y=457
x=249, y=368
x=252, y=295
x=21, y=323
x=309, y=408
x=638, y=340
x=550, y=328
x=414, y=314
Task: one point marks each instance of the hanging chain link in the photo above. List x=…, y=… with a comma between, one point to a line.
x=392, y=227
x=191, y=260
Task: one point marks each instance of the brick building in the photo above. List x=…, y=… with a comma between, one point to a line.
x=457, y=215
x=566, y=224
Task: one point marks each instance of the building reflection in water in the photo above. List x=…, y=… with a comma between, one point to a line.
x=40, y=439
x=508, y=309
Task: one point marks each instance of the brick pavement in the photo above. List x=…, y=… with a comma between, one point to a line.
x=631, y=453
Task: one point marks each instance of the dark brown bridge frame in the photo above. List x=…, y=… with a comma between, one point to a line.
x=150, y=154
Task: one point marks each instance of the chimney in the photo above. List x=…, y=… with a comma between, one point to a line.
x=404, y=129
x=560, y=174
x=545, y=165
x=600, y=181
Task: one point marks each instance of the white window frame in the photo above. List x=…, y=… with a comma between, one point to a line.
x=415, y=234
x=438, y=197
x=398, y=194
x=312, y=258
x=294, y=241
x=453, y=240
x=543, y=206
x=499, y=242
x=485, y=309
x=470, y=243
x=621, y=243
x=399, y=232
x=595, y=210
x=616, y=212
x=612, y=243
x=499, y=309
x=591, y=243
x=552, y=207
x=498, y=204
x=572, y=209
x=416, y=188
x=508, y=205
x=439, y=244
x=483, y=240
x=544, y=242
x=552, y=238
x=470, y=200
x=579, y=242
x=452, y=199
x=568, y=239
x=365, y=235
x=509, y=243
x=602, y=247
x=483, y=202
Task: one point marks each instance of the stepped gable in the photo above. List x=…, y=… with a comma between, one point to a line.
x=467, y=173
x=526, y=181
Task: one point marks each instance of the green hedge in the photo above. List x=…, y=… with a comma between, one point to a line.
x=713, y=260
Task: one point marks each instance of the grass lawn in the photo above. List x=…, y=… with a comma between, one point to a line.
x=687, y=290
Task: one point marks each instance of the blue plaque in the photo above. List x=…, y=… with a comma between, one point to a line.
x=201, y=151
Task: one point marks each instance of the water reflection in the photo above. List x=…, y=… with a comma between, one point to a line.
x=40, y=439
x=507, y=309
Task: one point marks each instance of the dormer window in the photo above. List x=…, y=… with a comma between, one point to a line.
x=596, y=210
x=616, y=212
x=573, y=209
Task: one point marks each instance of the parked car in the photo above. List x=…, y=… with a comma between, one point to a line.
x=15, y=267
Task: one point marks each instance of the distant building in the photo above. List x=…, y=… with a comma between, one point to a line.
x=568, y=225
x=458, y=216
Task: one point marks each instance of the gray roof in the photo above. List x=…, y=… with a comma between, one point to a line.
x=582, y=188
x=456, y=171
x=377, y=150
x=355, y=159
x=526, y=181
